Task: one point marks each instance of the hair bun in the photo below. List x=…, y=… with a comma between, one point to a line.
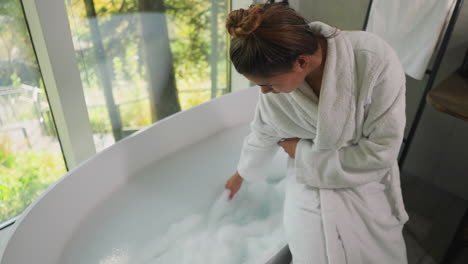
x=241, y=23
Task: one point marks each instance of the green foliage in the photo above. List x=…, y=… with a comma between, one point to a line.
x=15, y=80
x=16, y=47
x=24, y=176
x=190, y=41
x=188, y=100
x=136, y=114
x=99, y=119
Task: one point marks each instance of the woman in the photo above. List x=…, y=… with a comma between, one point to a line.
x=334, y=101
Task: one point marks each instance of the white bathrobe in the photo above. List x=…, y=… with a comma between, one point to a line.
x=348, y=149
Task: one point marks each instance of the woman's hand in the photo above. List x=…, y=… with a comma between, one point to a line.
x=289, y=145
x=234, y=183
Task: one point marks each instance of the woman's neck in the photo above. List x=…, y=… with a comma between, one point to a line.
x=314, y=78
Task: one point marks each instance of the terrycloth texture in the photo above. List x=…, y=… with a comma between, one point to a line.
x=295, y=115
x=349, y=150
x=412, y=28
x=302, y=222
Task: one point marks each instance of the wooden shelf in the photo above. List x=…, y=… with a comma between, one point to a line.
x=451, y=96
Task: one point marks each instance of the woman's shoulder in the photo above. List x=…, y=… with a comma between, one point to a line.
x=372, y=52
x=376, y=62
x=370, y=45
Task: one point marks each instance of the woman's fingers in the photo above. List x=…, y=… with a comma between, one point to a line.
x=232, y=193
x=233, y=188
x=289, y=145
x=233, y=184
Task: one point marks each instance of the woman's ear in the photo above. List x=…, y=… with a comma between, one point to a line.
x=302, y=62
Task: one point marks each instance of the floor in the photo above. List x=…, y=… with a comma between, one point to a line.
x=434, y=214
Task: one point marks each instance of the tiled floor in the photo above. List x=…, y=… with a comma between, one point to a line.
x=434, y=215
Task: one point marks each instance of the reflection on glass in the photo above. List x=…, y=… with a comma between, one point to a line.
x=30, y=154
x=143, y=60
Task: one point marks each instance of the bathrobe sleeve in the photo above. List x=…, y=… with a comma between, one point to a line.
x=258, y=149
x=377, y=150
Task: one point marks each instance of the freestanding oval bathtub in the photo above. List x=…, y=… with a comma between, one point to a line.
x=137, y=187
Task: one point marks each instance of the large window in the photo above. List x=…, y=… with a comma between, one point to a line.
x=143, y=60
x=30, y=154
x=139, y=61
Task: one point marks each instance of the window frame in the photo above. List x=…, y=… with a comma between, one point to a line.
x=51, y=38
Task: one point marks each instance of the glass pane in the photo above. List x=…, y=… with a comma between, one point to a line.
x=30, y=153
x=143, y=60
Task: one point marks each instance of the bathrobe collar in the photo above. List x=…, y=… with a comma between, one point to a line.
x=336, y=101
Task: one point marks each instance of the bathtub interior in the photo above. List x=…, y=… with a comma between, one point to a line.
x=130, y=226
x=130, y=193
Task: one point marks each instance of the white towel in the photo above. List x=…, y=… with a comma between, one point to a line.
x=412, y=27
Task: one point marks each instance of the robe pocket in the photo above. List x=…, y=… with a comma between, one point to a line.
x=379, y=204
x=311, y=198
x=302, y=196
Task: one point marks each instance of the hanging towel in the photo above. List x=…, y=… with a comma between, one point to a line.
x=413, y=28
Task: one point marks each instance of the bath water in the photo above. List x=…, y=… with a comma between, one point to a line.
x=176, y=210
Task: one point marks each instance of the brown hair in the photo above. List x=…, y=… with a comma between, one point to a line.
x=268, y=38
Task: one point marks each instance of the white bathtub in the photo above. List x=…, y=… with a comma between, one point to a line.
x=119, y=196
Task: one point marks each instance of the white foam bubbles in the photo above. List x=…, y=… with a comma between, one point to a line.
x=245, y=229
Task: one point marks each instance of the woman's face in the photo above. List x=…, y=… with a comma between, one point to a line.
x=288, y=81
x=281, y=83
